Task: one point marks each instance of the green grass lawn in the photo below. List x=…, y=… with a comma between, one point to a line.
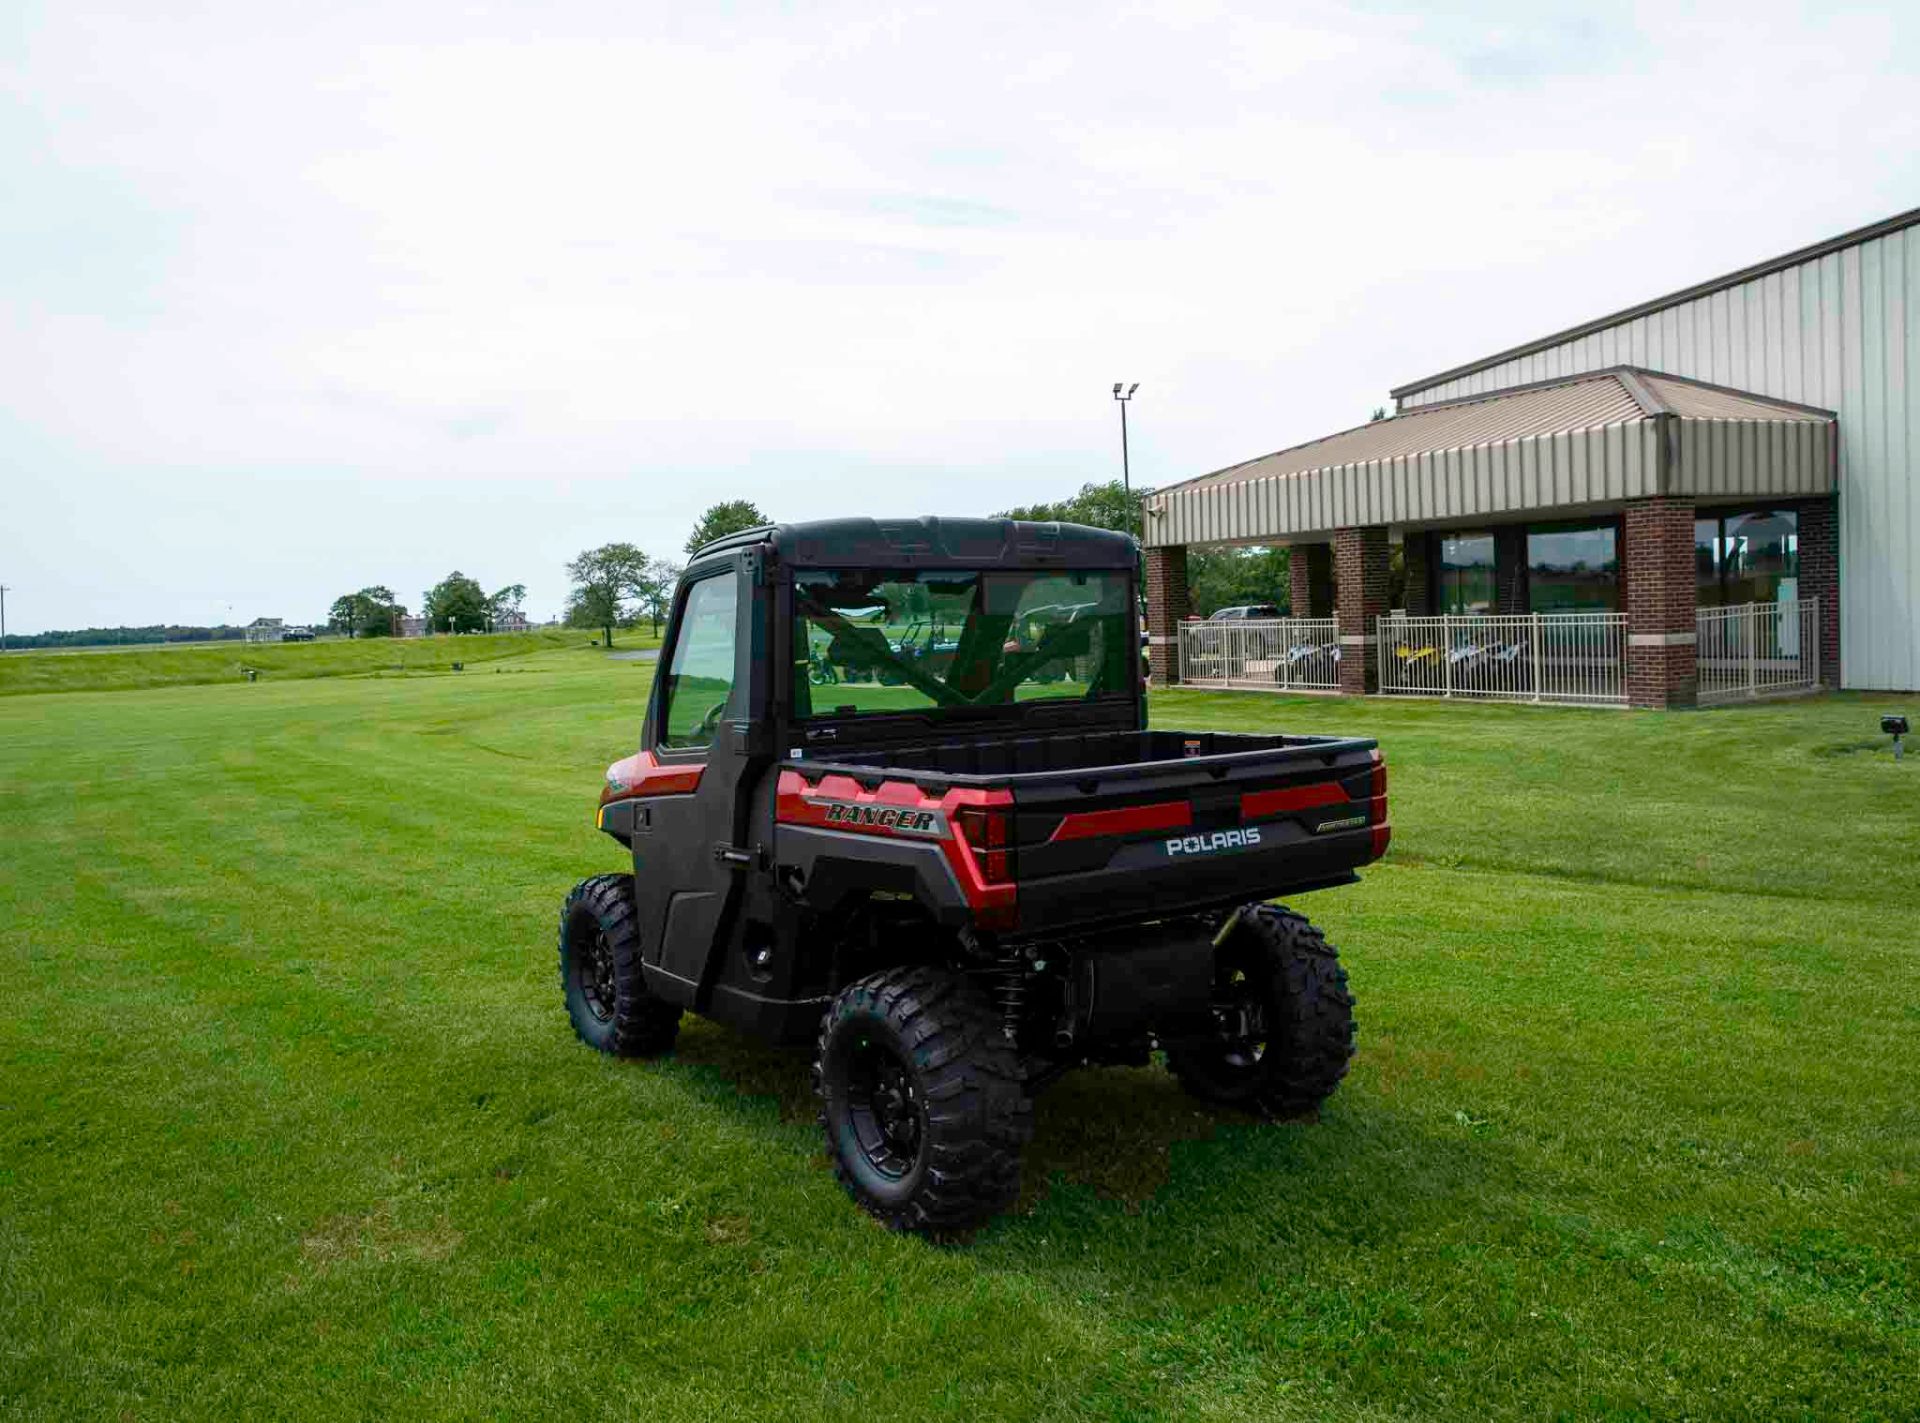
x=105, y=669
x=292, y=1124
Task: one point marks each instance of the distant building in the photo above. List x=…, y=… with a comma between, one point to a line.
x=415, y=626
x=513, y=620
x=265, y=629
x=1718, y=482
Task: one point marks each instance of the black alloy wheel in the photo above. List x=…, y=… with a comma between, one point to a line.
x=922, y=1100
x=884, y=1108
x=1283, y=1018
x=601, y=976
x=595, y=968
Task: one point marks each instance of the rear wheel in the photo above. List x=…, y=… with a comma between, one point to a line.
x=1285, y=1018
x=921, y=1100
x=600, y=973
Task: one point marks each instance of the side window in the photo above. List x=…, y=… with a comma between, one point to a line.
x=700, y=682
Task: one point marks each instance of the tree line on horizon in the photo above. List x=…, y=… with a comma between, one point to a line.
x=619, y=585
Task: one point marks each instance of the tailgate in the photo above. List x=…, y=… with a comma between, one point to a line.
x=1165, y=837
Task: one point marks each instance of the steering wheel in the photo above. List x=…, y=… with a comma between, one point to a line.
x=711, y=721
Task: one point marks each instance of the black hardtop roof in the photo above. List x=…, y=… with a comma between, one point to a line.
x=934, y=542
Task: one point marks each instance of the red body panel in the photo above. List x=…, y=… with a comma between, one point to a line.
x=1257, y=805
x=641, y=774
x=795, y=804
x=1127, y=820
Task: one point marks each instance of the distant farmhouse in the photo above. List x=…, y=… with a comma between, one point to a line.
x=265, y=629
x=414, y=626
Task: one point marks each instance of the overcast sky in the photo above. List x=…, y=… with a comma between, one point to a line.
x=299, y=298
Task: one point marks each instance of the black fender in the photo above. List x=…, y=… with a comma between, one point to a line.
x=822, y=869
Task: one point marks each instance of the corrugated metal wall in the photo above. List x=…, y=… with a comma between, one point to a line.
x=1838, y=331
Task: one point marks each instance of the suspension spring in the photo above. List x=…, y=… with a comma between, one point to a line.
x=1011, y=990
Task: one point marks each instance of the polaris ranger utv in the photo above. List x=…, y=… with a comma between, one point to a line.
x=959, y=863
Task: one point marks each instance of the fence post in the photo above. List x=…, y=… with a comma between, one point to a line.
x=1533, y=651
x=1810, y=645
x=1753, y=645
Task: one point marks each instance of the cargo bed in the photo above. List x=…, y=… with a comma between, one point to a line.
x=1111, y=825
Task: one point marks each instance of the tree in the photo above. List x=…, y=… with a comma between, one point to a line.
x=505, y=605
x=654, y=592
x=1379, y=413
x=1216, y=578
x=1102, y=506
x=729, y=517
x=368, y=613
x=593, y=607
x=456, y=604
x=1233, y=577
x=602, y=578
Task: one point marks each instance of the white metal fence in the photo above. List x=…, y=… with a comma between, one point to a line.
x=1757, y=649
x=1273, y=654
x=1576, y=658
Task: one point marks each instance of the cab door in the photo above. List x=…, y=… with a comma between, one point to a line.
x=684, y=878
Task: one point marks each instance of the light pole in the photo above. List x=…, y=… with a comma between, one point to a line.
x=3, y=617
x=1126, y=471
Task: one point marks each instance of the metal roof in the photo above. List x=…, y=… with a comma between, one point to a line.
x=934, y=542
x=1685, y=294
x=1606, y=436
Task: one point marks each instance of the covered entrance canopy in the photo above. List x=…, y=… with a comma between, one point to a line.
x=1639, y=445
x=1607, y=437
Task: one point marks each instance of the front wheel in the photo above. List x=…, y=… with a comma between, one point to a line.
x=1284, y=1015
x=601, y=977
x=921, y=1100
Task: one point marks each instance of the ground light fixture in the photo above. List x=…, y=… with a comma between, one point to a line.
x=1896, y=727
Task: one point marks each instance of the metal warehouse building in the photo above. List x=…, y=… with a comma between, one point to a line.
x=1703, y=497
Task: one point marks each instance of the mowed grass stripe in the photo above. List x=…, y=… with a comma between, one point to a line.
x=292, y=1122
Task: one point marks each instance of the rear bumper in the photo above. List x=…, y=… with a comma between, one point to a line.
x=1146, y=879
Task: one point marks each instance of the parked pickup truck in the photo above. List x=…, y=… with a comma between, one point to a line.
x=959, y=876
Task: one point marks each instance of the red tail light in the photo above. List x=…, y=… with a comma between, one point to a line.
x=1377, y=806
x=987, y=831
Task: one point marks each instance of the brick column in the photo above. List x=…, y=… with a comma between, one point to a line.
x=1310, y=581
x=1360, y=599
x=1820, y=577
x=1661, y=665
x=1417, y=552
x=1510, y=570
x=1166, y=608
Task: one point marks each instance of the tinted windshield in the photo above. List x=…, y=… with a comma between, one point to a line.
x=877, y=640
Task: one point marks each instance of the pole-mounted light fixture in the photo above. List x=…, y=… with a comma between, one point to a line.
x=1126, y=468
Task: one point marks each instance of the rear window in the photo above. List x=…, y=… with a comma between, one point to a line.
x=873, y=641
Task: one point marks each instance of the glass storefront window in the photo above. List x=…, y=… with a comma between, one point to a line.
x=1464, y=576
x=1573, y=568
x=1748, y=557
x=1706, y=563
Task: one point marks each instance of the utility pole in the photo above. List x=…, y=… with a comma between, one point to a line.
x=3, y=617
x=1126, y=470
